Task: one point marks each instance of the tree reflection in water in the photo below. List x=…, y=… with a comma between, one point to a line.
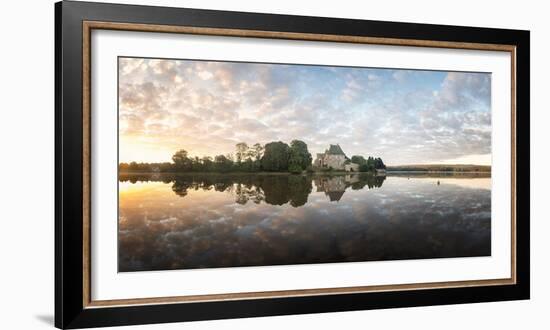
x=233, y=220
x=270, y=189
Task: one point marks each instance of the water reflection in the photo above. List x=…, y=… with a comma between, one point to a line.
x=254, y=220
x=276, y=189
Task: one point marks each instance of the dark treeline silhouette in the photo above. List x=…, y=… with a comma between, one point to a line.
x=275, y=156
x=368, y=165
x=271, y=189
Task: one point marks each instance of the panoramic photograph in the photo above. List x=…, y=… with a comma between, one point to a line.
x=234, y=164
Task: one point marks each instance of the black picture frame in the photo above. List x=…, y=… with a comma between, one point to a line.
x=70, y=309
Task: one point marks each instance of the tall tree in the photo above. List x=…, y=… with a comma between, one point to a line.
x=223, y=163
x=258, y=151
x=299, y=156
x=275, y=156
x=379, y=164
x=181, y=161
x=207, y=163
x=241, y=151
x=359, y=160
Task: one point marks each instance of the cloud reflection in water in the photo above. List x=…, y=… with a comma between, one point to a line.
x=258, y=220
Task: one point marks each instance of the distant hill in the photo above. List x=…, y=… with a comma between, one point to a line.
x=439, y=168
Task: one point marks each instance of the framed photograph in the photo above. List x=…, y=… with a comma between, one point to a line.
x=214, y=164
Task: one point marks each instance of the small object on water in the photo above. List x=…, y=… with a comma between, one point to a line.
x=438, y=182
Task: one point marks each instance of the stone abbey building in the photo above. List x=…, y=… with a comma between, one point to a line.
x=335, y=158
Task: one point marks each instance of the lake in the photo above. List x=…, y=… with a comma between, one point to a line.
x=232, y=220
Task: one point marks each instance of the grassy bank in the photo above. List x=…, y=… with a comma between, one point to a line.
x=441, y=168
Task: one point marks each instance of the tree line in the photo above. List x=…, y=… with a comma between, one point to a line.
x=270, y=189
x=274, y=156
x=368, y=165
x=441, y=168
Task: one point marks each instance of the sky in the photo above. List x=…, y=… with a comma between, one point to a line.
x=206, y=107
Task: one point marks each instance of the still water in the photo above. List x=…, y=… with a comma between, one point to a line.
x=203, y=221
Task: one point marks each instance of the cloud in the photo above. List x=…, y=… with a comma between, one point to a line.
x=403, y=116
x=463, y=90
x=401, y=75
x=205, y=75
x=212, y=230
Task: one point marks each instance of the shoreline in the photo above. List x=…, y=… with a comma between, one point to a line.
x=240, y=173
x=308, y=173
x=454, y=172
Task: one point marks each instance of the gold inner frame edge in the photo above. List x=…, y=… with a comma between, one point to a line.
x=88, y=26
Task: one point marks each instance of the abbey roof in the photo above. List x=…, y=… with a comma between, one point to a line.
x=335, y=149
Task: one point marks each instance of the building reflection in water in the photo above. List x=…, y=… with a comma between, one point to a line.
x=230, y=220
x=335, y=186
x=271, y=189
